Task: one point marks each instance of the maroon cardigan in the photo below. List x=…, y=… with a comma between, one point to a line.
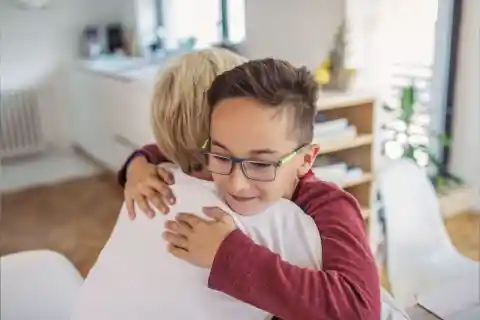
x=347, y=287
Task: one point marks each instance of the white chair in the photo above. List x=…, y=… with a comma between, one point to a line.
x=390, y=308
x=37, y=285
x=420, y=255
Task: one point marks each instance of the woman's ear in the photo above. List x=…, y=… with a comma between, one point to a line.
x=309, y=154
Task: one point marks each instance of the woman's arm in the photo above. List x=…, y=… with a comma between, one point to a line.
x=145, y=183
x=149, y=152
x=347, y=287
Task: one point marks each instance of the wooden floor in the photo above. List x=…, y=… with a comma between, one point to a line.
x=76, y=218
x=464, y=231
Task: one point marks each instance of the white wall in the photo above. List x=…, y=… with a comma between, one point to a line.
x=37, y=48
x=303, y=32
x=144, y=26
x=465, y=159
x=299, y=31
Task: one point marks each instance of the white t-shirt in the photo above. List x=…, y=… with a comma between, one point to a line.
x=135, y=278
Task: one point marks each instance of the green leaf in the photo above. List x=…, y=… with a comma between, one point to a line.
x=452, y=177
x=441, y=182
x=442, y=170
x=407, y=103
x=444, y=140
x=409, y=153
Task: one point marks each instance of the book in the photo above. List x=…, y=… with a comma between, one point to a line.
x=354, y=173
x=332, y=172
x=330, y=127
x=320, y=117
x=334, y=137
x=338, y=173
x=324, y=160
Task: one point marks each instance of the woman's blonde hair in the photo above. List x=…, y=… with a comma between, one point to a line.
x=179, y=110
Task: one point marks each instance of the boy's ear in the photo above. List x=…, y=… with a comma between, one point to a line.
x=309, y=155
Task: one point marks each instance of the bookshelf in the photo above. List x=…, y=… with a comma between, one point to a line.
x=356, y=150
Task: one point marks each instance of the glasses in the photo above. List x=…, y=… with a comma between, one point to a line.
x=264, y=171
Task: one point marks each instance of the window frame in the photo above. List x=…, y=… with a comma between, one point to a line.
x=452, y=76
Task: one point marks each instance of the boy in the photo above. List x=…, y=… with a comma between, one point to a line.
x=260, y=126
x=135, y=278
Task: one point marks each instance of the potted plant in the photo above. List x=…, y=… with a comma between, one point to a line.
x=332, y=74
x=409, y=136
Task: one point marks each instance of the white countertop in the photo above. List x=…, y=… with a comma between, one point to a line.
x=124, y=68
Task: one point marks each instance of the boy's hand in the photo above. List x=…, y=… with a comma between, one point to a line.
x=196, y=240
x=147, y=183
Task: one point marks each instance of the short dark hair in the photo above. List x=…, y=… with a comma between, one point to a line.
x=275, y=83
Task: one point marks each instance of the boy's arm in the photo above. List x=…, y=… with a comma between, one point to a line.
x=150, y=152
x=347, y=287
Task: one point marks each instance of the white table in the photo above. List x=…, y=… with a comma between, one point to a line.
x=417, y=312
x=456, y=299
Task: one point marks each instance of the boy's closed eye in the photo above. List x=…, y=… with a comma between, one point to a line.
x=260, y=165
x=219, y=157
x=254, y=163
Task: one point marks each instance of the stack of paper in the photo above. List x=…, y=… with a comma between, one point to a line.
x=455, y=300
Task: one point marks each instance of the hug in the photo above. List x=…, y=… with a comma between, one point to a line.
x=223, y=217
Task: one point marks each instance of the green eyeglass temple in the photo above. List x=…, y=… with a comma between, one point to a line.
x=290, y=156
x=280, y=162
x=205, y=144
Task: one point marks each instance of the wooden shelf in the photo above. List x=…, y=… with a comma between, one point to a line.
x=360, y=140
x=330, y=101
x=358, y=109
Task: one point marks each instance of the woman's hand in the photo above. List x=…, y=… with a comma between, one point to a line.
x=147, y=183
x=196, y=240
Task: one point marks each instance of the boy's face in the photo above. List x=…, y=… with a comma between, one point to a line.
x=246, y=129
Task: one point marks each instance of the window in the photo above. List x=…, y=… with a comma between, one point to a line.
x=208, y=21
x=233, y=21
x=427, y=49
x=418, y=54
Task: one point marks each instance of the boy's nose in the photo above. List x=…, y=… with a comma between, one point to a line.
x=237, y=179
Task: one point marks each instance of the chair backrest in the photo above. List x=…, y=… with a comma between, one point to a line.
x=39, y=284
x=390, y=308
x=416, y=234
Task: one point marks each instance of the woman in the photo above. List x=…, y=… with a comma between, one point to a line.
x=348, y=287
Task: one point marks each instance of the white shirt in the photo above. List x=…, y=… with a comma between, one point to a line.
x=136, y=278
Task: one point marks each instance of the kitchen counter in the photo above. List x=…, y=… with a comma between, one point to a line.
x=110, y=106
x=124, y=69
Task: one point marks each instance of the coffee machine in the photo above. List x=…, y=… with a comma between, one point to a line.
x=92, y=42
x=97, y=40
x=115, y=39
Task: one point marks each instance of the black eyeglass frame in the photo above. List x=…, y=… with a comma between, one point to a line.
x=242, y=161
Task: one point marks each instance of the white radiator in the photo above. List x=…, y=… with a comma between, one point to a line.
x=20, y=126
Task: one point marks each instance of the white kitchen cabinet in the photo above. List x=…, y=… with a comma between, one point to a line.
x=110, y=113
